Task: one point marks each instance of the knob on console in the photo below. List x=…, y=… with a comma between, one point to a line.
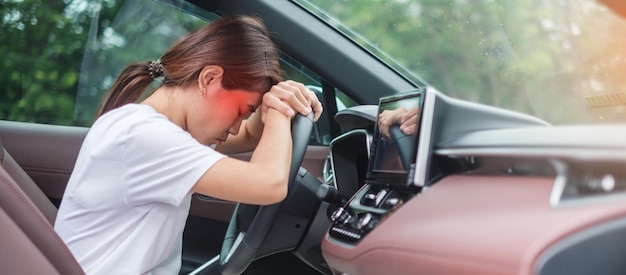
x=336, y=214
x=369, y=200
x=341, y=216
x=367, y=222
x=364, y=221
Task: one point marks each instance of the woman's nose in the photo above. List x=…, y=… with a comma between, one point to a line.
x=234, y=130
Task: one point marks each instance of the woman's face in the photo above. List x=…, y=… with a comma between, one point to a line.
x=219, y=113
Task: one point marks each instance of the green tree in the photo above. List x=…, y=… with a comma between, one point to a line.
x=538, y=57
x=42, y=49
x=60, y=57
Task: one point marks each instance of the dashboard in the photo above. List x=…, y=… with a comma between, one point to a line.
x=474, y=190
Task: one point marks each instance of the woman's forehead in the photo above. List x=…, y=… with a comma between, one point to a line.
x=244, y=97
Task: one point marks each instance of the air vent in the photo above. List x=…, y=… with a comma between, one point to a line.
x=578, y=182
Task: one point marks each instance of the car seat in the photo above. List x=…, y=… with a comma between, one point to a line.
x=25, y=208
x=37, y=230
x=27, y=185
x=20, y=255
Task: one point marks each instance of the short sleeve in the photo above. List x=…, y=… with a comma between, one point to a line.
x=162, y=162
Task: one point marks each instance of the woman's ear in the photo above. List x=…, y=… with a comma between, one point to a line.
x=210, y=75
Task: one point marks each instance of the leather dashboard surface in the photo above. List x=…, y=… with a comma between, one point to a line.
x=467, y=224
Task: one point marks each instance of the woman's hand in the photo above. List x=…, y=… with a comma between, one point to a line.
x=406, y=119
x=388, y=118
x=409, y=121
x=290, y=97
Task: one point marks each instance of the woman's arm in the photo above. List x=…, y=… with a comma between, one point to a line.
x=285, y=97
x=261, y=181
x=248, y=137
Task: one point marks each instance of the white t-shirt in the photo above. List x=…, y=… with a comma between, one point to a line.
x=127, y=201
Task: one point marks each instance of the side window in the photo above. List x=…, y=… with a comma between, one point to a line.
x=139, y=31
x=58, y=64
x=60, y=57
x=294, y=70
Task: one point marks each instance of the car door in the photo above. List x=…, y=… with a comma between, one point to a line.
x=53, y=86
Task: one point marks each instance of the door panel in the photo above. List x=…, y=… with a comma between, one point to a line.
x=48, y=154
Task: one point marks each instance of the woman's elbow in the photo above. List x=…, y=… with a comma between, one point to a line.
x=278, y=190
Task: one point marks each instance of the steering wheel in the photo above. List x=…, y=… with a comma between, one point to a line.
x=403, y=143
x=239, y=248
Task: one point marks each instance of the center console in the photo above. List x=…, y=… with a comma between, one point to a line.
x=388, y=180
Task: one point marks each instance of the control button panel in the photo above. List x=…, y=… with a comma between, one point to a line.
x=364, y=212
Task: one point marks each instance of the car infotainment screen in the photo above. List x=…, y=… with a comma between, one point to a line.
x=394, y=143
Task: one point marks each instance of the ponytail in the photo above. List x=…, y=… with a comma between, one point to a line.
x=128, y=87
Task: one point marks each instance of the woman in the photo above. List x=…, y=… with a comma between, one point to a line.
x=125, y=206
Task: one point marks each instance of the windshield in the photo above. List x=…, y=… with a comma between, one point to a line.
x=562, y=61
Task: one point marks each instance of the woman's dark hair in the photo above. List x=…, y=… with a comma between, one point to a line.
x=239, y=44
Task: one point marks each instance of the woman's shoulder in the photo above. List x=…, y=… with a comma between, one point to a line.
x=130, y=114
x=131, y=118
x=129, y=111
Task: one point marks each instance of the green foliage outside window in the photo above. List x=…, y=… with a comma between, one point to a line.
x=550, y=59
x=562, y=61
x=60, y=57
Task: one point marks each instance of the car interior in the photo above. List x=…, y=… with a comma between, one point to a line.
x=475, y=188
